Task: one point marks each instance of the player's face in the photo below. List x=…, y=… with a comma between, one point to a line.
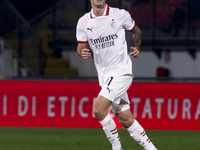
x=98, y=3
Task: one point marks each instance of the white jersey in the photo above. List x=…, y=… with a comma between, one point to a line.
x=106, y=37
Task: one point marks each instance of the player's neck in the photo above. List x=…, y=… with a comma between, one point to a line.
x=98, y=11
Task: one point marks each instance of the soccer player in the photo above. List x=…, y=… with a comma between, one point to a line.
x=104, y=30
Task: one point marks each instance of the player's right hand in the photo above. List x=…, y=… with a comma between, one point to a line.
x=85, y=53
x=135, y=52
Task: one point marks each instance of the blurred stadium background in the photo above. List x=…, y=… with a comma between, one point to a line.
x=38, y=38
x=38, y=43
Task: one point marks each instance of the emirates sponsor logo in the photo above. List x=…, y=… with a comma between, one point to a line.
x=104, y=42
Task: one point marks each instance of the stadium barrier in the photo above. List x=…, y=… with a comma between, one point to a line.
x=166, y=106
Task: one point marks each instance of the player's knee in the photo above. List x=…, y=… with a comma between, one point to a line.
x=100, y=114
x=126, y=123
x=95, y=111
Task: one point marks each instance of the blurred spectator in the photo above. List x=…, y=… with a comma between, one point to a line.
x=194, y=6
x=126, y=4
x=188, y=6
x=143, y=1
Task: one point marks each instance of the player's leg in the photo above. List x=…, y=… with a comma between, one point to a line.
x=101, y=107
x=135, y=129
x=110, y=93
x=100, y=110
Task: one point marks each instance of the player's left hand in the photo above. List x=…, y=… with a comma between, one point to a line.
x=135, y=52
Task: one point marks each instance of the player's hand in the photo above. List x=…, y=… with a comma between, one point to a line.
x=85, y=53
x=135, y=52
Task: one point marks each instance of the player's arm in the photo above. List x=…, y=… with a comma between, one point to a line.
x=137, y=34
x=83, y=51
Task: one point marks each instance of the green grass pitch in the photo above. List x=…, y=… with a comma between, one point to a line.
x=90, y=139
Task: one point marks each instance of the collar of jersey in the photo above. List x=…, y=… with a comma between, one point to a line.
x=106, y=12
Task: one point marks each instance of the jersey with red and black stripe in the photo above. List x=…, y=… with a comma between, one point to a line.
x=106, y=37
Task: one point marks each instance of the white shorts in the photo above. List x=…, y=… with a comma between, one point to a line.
x=115, y=89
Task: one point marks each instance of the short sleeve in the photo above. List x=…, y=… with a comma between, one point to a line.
x=81, y=36
x=129, y=23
